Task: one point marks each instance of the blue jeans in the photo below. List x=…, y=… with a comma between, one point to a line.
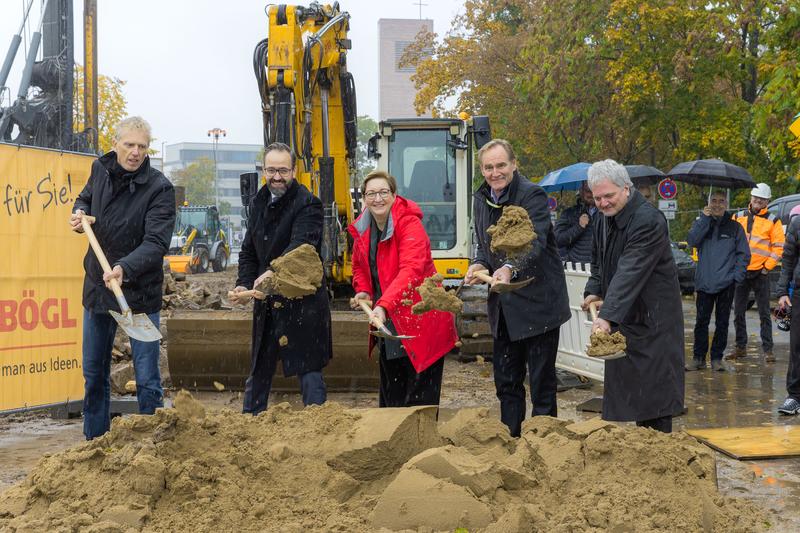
x=259, y=384
x=98, y=340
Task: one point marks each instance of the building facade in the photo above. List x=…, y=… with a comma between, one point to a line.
x=396, y=90
x=232, y=160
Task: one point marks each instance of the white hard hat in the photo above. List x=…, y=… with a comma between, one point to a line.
x=762, y=190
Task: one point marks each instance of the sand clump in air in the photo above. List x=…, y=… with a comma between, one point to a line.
x=602, y=344
x=513, y=233
x=297, y=273
x=327, y=468
x=434, y=296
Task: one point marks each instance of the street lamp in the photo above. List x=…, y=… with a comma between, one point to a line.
x=214, y=134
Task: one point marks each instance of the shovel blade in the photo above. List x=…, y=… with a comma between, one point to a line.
x=500, y=287
x=138, y=327
x=384, y=333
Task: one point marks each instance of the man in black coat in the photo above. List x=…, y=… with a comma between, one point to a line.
x=134, y=209
x=573, y=228
x=635, y=279
x=790, y=277
x=283, y=216
x=525, y=323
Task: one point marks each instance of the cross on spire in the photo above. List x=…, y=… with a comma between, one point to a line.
x=420, y=4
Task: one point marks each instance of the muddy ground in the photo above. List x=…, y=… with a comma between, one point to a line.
x=746, y=397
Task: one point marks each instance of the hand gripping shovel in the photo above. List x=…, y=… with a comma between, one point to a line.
x=500, y=286
x=607, y=354
x=137, y=327
x=381, y=330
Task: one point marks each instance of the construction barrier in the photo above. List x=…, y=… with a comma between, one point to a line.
x=41, y=277
x=574, y=335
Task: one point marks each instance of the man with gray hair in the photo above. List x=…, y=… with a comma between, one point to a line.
x=134, y=209
x=634, y=283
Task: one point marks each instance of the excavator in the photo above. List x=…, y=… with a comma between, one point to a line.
x=308, y=102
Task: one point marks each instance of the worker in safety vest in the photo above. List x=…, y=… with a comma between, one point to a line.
x=765, y=236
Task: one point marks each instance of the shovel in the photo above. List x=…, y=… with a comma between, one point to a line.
x=252, y=293
x=381, y=330
x=500, y=286
x=137, y=327
x=608, y=357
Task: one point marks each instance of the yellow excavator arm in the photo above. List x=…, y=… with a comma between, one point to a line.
x=308, y=103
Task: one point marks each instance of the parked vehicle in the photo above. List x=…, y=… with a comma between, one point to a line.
x=781, y=207
x=686, y=267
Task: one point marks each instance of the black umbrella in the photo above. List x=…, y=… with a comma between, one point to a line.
x=644, y=175
x=713, y=172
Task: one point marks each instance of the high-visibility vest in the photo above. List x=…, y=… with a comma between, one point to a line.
x=764, y=233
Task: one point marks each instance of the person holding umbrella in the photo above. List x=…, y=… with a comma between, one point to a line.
x=723, y=256
x=764, y=233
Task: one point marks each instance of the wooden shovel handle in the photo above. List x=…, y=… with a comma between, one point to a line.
x=484, y=276
x=367, y=309
x=252, y=293
x=593, y=308
x=86, y=223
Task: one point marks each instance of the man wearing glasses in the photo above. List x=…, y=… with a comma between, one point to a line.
x=283, y=216
x=525, y=323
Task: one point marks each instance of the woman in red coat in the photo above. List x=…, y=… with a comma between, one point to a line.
x=391, y=257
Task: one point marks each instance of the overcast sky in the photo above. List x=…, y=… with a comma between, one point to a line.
x=188, y=63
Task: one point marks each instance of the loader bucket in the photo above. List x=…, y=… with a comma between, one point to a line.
x=180, y=263
x=205, y=346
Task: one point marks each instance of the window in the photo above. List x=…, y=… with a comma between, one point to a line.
x=425, y=168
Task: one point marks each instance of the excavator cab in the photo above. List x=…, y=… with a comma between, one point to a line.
x=432, y=162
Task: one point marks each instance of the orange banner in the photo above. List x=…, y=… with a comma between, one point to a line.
x=41, y=277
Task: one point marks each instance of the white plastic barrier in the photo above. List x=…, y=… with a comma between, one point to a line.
x=575, y=332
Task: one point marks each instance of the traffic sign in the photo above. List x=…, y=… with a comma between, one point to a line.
x=552, y=203
x=668, y=205
x=667, y=189
x=669, y=215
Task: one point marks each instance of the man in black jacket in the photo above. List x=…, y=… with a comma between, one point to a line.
x=284, y=215
x=723, y=256
x=573, y=228
x=525, y=323
x=790, y=276
x=635, y=281
x=134, y=209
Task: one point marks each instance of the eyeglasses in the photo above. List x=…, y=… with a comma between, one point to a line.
x=384, y=194
x=283, y=171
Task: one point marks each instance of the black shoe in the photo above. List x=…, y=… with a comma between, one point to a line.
x=695, y=365
x=721, y=366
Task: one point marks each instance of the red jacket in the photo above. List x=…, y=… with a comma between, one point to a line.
x=404, y=260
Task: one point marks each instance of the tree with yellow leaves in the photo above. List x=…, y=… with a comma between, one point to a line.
x=111, y=106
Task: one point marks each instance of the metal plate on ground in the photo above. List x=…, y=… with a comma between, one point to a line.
x=752, y=442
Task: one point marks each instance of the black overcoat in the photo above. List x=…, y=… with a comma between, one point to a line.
x=134, y=228
x=634, y=272
x=273, y=229
x=542, y=305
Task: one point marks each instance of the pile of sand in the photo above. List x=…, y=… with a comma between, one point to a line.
x=434, y=296
x=327, y=468
x=601, y=344
x=297, y=273
x=513, y=233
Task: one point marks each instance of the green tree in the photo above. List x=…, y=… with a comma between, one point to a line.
x=198, y=180
x=224, y=208
x=111, y=106
x=367, y=127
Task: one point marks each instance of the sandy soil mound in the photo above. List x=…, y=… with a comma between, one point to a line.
x=513, y=233
x=601, y=343
x=298, y=273
x=434, y=296
x=328, y=468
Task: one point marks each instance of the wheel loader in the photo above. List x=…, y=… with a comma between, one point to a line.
x=309, y=103
x=198, y=241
